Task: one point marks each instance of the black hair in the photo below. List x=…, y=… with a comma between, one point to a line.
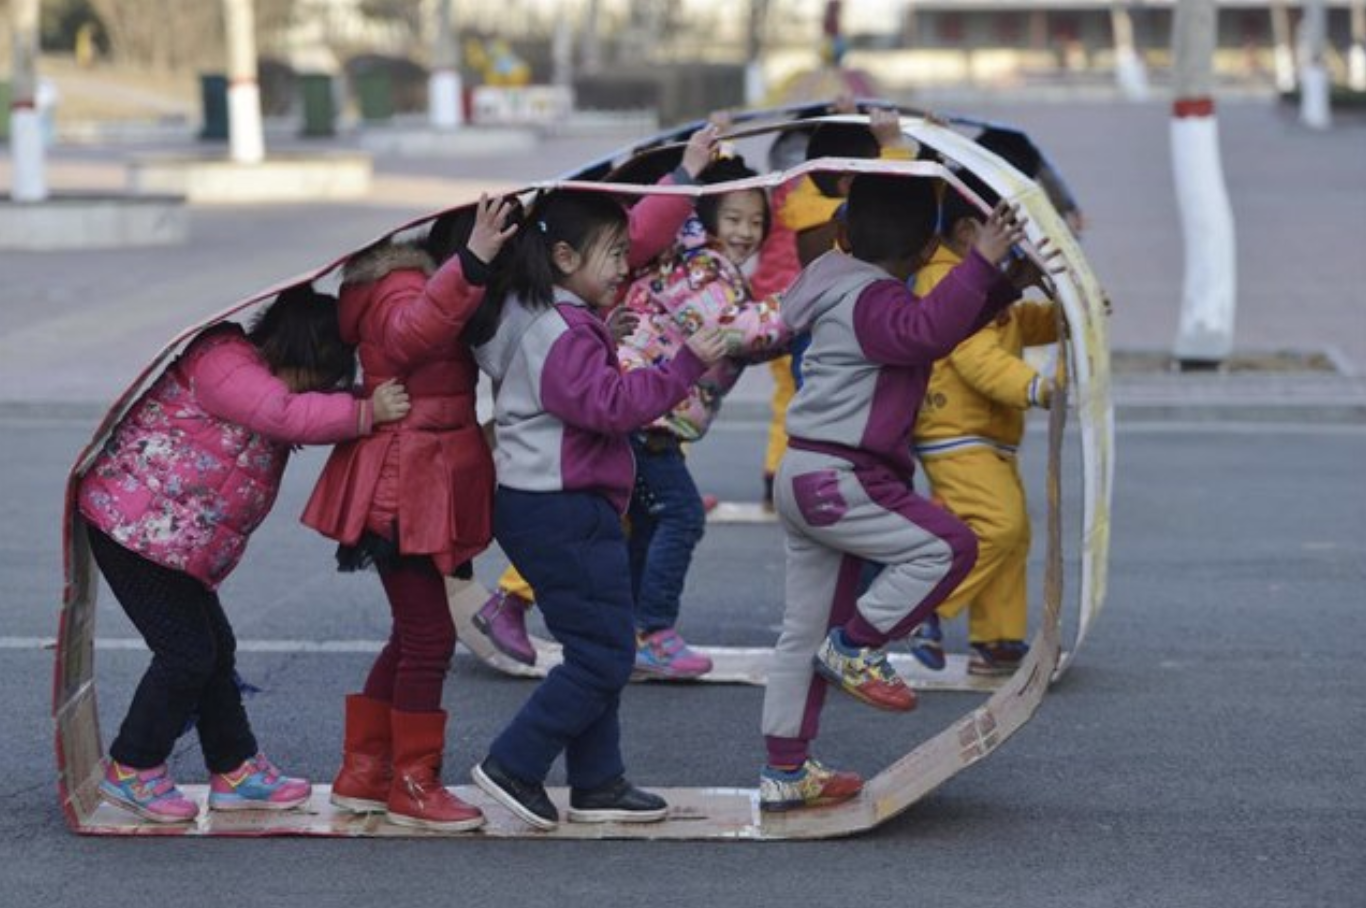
x=448, y=233
x=789, y=148
x=647, y=165
x=299, y=330
x=890, y=217
x=839, y=140
x=724, y=170
x=1015, y=147
x=955, y=207
x=580, y=219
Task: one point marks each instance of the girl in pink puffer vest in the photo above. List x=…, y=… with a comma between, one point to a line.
x=190, y=471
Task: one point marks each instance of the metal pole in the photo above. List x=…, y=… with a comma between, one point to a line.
x=25, y=124
x=445, y=105
x=1130, y=72
x=1316, y=111
x=246, y=138
x=1209, y=286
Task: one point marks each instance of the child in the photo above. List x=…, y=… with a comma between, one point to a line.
x=843, y=491
x=415, y=500
x=654, y=222
x=563, y=411
x=966, y=437
x=700, y=287
x=806, y=215
x=187, y=475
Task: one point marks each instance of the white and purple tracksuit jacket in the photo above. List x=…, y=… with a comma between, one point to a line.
x=843, y=491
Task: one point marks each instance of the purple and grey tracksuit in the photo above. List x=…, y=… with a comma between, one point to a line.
x=843, y=491
x=564, y=412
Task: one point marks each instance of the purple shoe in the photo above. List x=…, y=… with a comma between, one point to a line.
x=664, y=654
x=503, y=620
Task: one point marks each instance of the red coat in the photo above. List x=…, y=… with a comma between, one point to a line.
x=431, y=473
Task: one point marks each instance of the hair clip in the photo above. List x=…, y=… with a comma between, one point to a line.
x=540, y=225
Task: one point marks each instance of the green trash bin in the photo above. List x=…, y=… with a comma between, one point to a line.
x=375, y=94
x=4, y=111
x=320, y=110
x=213, y=95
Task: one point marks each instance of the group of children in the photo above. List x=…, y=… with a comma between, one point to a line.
x=599, y=382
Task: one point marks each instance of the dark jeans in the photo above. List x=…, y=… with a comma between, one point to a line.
x=571, y=548
x=193, y=658
x=667, y=523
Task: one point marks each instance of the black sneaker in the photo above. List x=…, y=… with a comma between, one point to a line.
x=527, y=800
x=616, y=802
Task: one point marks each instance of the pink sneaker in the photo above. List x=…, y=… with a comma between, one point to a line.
x=503, y=620
x=256, y=785
x=664, y=654
x=149, y=793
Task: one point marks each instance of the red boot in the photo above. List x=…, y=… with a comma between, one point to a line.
x=367, y=772
x=417, y=797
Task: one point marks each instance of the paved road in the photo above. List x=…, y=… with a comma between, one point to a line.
x=1199, y=754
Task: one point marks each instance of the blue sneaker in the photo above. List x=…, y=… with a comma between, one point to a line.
x=149, y=793
x=256, y=785
x=927, y=644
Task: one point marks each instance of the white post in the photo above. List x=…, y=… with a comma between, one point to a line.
x=1130, y=72
x=1315, y=108
x=25, y=126
x=562, y=53
x=1209, y=286
x=1283, y=53
x=1356, y=57
x=246, y=137
x=445, y=105
x=591, y=46
x=756, y=88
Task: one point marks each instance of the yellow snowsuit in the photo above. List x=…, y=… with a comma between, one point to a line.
x=970, y=426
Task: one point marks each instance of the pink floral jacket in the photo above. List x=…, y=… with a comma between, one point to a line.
x=194, y=466
x=695, y=288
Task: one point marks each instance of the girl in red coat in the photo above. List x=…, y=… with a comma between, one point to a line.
x=414, y=499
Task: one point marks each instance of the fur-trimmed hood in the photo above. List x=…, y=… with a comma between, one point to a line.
x=382, y=260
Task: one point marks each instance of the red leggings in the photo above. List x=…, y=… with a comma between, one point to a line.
x=410, y=670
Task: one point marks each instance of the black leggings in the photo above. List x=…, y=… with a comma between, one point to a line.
x=192, y=664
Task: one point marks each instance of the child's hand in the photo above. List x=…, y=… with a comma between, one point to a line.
x=1001, y=231
x=1023, y=273
x=886, y=126
x=701, y=146
x=709, y=345
x=622, y=323
x=489, y=233
x=390, y=402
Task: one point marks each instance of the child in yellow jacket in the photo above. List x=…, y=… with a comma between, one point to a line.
x=966, y=437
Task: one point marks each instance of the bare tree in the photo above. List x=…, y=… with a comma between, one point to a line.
x=176, y=36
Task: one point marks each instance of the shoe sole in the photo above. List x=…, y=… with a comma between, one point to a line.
x=483, y=628
x=231, y=806
x=617, y=816
x=664, y=674
x=838, y=681
x=357, y=805
x=491, y=788
x=135, y=808
x=399, y=819
x=988, y=671
x=785, y=806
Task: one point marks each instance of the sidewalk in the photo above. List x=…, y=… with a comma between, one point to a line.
x=76, y=327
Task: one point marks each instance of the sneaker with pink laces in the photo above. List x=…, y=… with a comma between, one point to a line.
x=664, y=654
x=256, y=785
x=503, y=620
x=149, y=793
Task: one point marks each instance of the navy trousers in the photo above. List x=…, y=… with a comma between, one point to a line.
x=570, y=548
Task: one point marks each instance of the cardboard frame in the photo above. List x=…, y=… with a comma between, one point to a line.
x=696, y=813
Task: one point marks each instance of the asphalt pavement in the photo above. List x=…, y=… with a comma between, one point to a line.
x=1202, y=752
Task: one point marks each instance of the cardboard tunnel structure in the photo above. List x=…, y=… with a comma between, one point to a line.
x=695, y=813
